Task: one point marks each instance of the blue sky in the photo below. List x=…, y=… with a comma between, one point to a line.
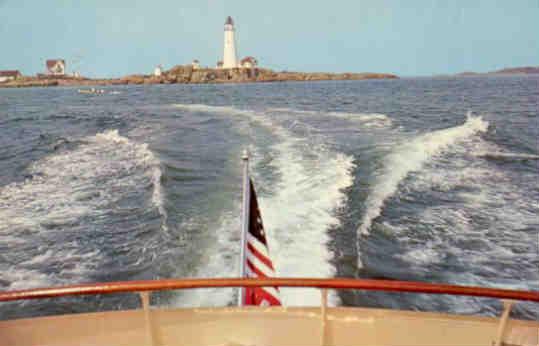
x=409, y=38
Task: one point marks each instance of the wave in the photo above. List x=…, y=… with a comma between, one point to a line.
x=361, y=117
x=368, y=118
x=457, y=230
x=507, y=156
x=68, y=194
x=411, y=156
x=298, y=208
x=226, y=110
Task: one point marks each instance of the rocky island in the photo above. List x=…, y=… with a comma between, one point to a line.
x=186, y=74
x=505, y=71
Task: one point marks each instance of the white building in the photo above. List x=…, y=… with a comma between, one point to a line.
x=230, y=59
x=9, y=75
x=248, y=62
x=56, y=67
x=195, y=64
x=158, y=70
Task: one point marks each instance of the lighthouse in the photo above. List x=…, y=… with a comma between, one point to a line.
x=229, y=54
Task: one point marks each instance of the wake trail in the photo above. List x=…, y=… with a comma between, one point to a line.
x=67, y=195
x=298, y=210
x=410, y=156
x=369, y=119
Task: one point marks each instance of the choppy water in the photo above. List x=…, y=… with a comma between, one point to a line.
x=421, y=179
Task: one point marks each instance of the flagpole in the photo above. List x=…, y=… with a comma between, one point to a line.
x=244, y=221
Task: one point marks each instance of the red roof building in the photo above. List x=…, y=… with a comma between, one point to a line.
x=248, y=62
x=56, y=67
x=7, y=75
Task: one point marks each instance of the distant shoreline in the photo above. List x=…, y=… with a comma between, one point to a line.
x=188, y=75
x=527, y=70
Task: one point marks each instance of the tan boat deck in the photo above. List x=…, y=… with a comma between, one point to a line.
x=325, y=326
x=265, y=326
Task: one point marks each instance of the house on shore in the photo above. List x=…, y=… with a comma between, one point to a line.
x=56, y=67
x=7, y=75
x=248, y=62
x=158, y=71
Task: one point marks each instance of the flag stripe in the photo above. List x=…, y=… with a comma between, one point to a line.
x=260, y=247
x=271, y=290
x=268, y=272
x=259, y=256
x=255, y=270
x=263, y=295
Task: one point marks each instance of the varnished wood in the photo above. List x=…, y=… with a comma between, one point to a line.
x=336, y=283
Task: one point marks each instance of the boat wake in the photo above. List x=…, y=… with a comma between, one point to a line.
x=291, y=174
x=370, y=119
x=504, y=156
x=411, y=156
x=466, y=217
x=53, y=217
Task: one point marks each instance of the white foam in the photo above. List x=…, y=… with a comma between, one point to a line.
x=492, y=246
x=157, y=195
x=212, y=109
x=297, y=212
x=484, y=218
x=291, y=110
x=64, y=188
x=369, y=118
x=507, y=155
x=363, y=117
x=411, y=156
x=422, y=256
x=220, y=259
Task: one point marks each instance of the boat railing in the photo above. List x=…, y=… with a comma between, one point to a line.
x=335, y=283
x=144, y=289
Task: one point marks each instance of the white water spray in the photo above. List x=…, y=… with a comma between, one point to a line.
x=411, y=156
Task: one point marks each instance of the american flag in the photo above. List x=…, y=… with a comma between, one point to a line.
x=257, y=260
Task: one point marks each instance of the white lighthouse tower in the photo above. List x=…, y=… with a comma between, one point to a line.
x=230, y=59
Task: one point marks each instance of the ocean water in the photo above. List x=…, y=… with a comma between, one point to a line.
x=425, y=179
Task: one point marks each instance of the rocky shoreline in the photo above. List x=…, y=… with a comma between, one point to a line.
x=187, y=75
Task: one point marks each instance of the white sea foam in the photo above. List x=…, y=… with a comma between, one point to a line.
x=411, y=156
x=220, y=258
x=367, y=118
x=507, y=155
x=492, y=224
x=212, y=109
x=292, y=110
x=65, y=188
x=362, y=117
x=157, y=195
x=482, y=218
x=372, y=118
x=300, y=212
x=297, y=212
x=489, y=246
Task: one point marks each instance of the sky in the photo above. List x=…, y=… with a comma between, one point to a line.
x=111, y=38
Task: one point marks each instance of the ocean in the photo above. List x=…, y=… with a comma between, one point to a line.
x=428, y=179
